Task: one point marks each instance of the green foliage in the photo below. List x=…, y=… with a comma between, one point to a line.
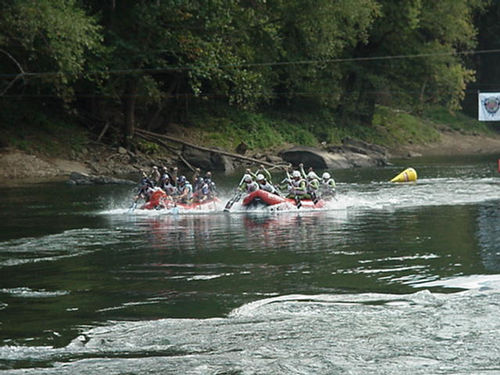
x=148, y=147
x=433, y=31
x=398, y=127
x=35, y=131
x=295, y=71
x=457, y=121
x=259, y=131
x=50, y=38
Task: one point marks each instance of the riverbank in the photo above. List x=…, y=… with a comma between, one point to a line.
x=100, y=159
x=451, y=143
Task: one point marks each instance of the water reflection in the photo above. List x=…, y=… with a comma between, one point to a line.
x=297, y=231
x=488, y=223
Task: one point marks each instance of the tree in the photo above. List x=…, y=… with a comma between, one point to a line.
x=164, y=53
x=314, y=33
x=46, y=43
x=434, y=32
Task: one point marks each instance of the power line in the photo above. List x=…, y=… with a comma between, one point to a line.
x=299, y=94
x=185, y=68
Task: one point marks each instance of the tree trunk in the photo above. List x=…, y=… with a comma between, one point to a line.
x=129, y=100
x=359, y=101
x=155, y=137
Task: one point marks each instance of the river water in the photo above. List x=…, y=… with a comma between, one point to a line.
x=388, y=279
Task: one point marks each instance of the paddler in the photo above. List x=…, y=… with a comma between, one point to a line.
x=327, y=187
x=263, y=179
x=211, y=184
x=145, y=188
x=265, y=185
x=248, y=185
x=166, y=185
x=155, y=176
x=184, y=190
x=298, y=186
x=312, y=182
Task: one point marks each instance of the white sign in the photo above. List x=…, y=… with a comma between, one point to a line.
x=489, y=106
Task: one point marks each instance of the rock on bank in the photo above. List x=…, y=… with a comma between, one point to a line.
x=352, y=153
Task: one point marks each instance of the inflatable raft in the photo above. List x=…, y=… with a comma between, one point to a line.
x=160, y=200
x=262, y=198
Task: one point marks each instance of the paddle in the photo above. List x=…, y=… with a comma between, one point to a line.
x=133, y=205
x=232, y=201
x=314, y=197
x=235, y=198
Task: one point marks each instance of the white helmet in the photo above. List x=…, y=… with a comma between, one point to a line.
x=260, y=177
x=247, y=178
x=311, y=175
x=326, y=176
x=295, y=174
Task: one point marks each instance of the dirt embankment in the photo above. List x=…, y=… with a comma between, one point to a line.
x=452, y=143
x=103, y=160
x=95, y=159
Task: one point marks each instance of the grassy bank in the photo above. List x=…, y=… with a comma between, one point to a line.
x=35, y=132
x=227, y=128
x=273, y=130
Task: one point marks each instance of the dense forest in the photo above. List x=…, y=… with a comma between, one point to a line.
x=153, y=63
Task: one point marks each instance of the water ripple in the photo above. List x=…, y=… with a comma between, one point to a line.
x=418, y=333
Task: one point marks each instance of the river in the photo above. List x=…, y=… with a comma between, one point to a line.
x=387, y=279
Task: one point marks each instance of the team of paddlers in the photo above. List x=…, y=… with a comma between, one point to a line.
x=176, y=188
x=298, y=185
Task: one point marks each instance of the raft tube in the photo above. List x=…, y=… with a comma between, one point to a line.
x=160, y=200
x=264, y=198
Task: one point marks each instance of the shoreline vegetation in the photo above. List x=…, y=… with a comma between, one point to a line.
x=346, y=84
x=38, y=153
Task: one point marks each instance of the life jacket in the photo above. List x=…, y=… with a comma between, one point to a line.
x=327, y=188
x=186, y=187
x=250, y=186
x=312, y=185
x=168, y=188
x=329, y=184
x=198, y=184
x=210, y=184
x=268, y=187
x=298, y=187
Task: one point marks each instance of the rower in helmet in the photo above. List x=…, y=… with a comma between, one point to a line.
x=248, y=185
x=211, y=184
x=298, y=186
x=263, y=178
x=173, y=175
x=327, y=186
x=166, y=184
x=184, y=190
x=312, y=180
x=265, y=185
x=155, y=175
x=144, y=179
x=145, y=188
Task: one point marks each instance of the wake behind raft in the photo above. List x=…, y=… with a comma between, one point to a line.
x=262, y=198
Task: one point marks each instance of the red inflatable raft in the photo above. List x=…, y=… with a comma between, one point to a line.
x=264, y=198
x=160, y=200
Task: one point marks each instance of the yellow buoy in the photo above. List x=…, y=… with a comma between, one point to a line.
x=409, y=174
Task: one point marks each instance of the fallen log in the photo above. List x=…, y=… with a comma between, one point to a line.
x=155, y=137
x=171, y=149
